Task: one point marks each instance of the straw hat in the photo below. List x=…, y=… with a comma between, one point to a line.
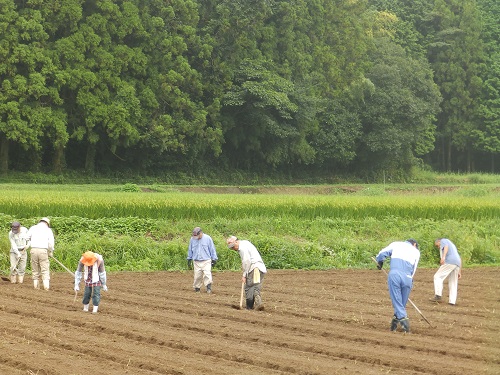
x=88, y=258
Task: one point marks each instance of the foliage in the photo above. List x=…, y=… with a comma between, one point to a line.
x=187, y=89
x=150, y=231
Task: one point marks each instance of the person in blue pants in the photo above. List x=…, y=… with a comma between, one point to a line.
x=404, y=260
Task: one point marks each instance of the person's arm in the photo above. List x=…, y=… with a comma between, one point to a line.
x=78, y=276
x=415, y=265
x=245, y=261
x=13, y=245
x=26, y=239
x=102, y=274
x=51, y=241
x=213, y=252
x=382, y=255
x=443, y=255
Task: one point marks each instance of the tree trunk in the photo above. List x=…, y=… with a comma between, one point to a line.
x=59, y=162
x=90, y=158
x=4, y=154
x=469, y=160
x=448, y=156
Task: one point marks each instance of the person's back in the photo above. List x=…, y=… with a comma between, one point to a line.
x=42, y=247
x=404, y=257
x=452, y=256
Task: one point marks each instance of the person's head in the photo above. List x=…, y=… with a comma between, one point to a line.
x=412, y=242
x=233, y=243
x=46, y=220
x=437, y=242
x=88, y=258
x=197, y=233
x=15, y=227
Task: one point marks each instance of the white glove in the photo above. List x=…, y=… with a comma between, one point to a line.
x=105, y=288
x=77, y=288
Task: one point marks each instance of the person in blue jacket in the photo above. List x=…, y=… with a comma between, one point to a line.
x=202, y=256
x=404, y=260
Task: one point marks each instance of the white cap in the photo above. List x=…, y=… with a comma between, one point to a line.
x=46, y=219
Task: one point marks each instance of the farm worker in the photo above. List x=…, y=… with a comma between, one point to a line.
x=201, y=256
x=91, y=267
x=404, y=260
x=19, y=243
x=42, y=247
x=253, y=268
x=451, y=265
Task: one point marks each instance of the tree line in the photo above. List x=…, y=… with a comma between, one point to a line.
x=333, y=86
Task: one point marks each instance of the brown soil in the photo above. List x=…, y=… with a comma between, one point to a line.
x=314, y=322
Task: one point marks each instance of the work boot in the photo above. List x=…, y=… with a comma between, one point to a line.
x=20, y=279
x=209, y=288
x=250, y=302
x=436, y=298
x=394, y=323
x=46, y=284
x=13, y=279
x=36, y=284
x=86, y=307
x=94, y=309
x=405, y=324
x=258, y=302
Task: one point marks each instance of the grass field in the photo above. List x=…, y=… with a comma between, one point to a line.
x=147, y=227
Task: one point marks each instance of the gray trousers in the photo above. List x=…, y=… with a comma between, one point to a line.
x=18, y=266
x=252, y=289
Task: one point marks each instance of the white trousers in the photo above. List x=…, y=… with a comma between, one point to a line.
x=449, y=271
x=202, y=273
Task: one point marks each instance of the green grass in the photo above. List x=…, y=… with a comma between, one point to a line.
x=145, y=228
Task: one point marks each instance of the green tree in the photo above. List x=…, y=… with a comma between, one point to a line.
x=456, y=54
x=488, y=133
x=177, y=131
x=29, y=98
x=398, y=113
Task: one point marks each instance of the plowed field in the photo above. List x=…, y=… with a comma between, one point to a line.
x=314, y=322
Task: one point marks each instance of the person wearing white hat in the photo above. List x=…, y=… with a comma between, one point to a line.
x=42, y=247
x=91, y=268
x=19, y=243
x=253, y=268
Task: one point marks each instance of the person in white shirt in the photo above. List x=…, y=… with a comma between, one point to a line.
x=253, y=268
x=450, y=267
x=42, y=247
x=19, y=243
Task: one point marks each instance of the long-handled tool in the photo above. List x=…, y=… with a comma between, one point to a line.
x=63, y=266
x=67, y=269
x=409, y=300
x=241, y=297
x=3, y=277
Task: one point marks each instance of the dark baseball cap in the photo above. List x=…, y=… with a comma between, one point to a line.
x=413, y=242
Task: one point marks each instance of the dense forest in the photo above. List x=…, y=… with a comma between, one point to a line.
x=335, y=86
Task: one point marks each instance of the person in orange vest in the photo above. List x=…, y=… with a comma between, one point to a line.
x=91, y=269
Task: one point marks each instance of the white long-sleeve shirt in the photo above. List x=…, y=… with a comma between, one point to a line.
x=19, y=240
x=250, y=258
x=41, y=236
